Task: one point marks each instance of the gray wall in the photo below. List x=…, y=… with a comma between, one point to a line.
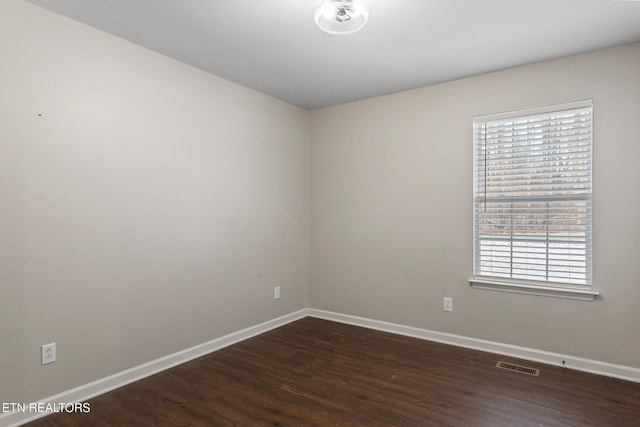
x=391, y=208
x=151, y=207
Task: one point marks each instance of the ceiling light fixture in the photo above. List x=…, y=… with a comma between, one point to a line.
x=341, y=16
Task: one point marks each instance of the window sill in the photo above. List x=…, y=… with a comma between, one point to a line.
x=533, y=289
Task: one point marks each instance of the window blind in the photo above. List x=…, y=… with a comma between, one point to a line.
x=532, y=195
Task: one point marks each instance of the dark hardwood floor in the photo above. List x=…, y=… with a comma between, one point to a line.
x=319, y=373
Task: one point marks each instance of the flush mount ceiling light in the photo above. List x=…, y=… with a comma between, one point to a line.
x=341, y=16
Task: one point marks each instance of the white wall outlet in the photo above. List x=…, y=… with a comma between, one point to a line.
x=276, y=292
x=448, y=304
x=48, y=353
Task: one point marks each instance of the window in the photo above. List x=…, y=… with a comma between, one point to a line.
x=532, y=200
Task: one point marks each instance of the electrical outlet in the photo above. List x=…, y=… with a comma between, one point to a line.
x=48, y=353
x=276, y=292
x=448, y=304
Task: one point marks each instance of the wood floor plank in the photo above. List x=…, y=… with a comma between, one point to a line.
x=315, y=372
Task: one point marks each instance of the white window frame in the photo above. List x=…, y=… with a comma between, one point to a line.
x=495, y=278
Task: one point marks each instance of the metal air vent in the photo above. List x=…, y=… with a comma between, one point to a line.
x=518, y=368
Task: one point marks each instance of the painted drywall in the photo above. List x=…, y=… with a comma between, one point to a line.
x=391, y=209
x=146, y=206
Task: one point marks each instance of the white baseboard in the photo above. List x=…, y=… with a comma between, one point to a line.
x=101, y=386
x=572, y=362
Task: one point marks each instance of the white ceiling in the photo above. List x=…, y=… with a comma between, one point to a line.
x=274, y=46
